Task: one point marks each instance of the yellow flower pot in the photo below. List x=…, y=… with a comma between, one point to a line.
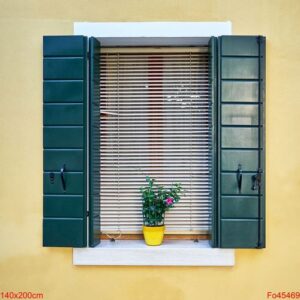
x=153, y=235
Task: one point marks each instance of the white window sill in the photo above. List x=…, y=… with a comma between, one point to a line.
x=137, y=253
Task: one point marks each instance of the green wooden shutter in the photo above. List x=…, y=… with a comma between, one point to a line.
x=94, y=150
x=65, y=80
x=213, y=81
x=241, y=192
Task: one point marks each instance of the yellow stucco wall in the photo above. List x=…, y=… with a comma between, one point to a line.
x=26, y=266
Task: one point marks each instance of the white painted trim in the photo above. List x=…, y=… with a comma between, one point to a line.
x=153, y=33
x=152, y=29
x=137, y=253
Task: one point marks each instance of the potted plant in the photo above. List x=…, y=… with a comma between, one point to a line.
x=156, y=201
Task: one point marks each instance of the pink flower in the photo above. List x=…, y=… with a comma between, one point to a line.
x=169, y=201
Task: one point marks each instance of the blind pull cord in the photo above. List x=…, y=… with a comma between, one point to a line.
x=190, y=119
x=113, y=238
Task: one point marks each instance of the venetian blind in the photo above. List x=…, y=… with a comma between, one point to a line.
x=155, y=121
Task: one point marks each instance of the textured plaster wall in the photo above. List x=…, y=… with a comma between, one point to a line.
x=26, y=266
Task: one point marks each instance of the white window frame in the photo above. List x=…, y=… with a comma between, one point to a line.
x=135, y=252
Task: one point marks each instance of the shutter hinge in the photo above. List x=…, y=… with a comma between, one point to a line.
x=87, y=213
x=256, y=180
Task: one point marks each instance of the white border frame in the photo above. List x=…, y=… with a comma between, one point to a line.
x=152, y=33
x=171, y=253
x=152, y=29
x=137, y=253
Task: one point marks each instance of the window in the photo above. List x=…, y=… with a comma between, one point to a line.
x=155, y=121
x=236, y=87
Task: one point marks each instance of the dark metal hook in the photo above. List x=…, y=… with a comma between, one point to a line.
x=62, y=177
x=239, y=177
